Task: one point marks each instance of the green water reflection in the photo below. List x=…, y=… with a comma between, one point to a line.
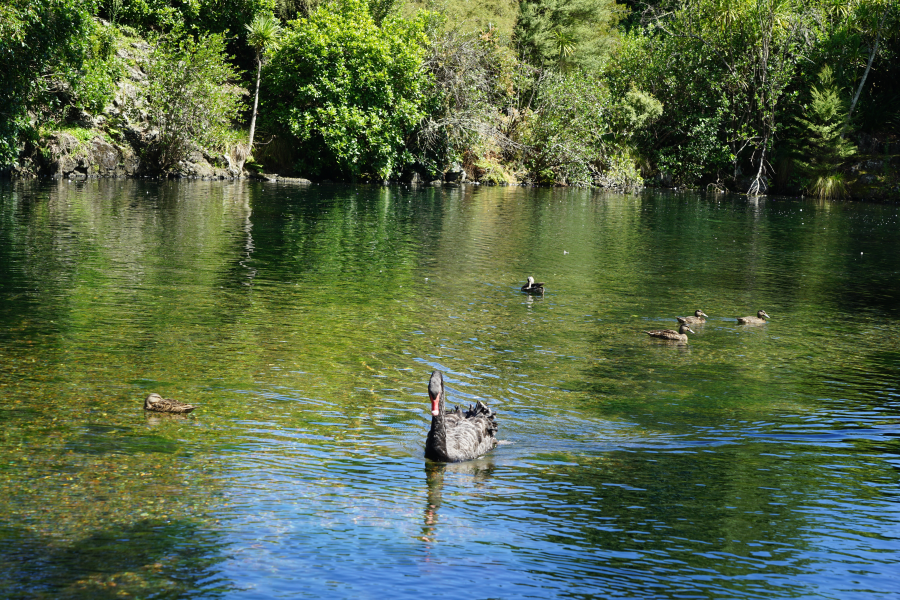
x=754, y=461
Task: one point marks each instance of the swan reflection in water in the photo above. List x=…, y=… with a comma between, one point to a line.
x=479, y=470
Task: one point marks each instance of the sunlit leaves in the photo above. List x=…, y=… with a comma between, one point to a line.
x=348, y=90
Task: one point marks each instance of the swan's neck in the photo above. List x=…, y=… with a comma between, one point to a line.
x=437, y=436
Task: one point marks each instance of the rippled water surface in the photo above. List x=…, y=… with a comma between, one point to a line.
x=754, y=462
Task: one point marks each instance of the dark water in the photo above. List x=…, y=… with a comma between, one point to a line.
x=755, y=462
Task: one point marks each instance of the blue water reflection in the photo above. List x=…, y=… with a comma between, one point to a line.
x=754, y=462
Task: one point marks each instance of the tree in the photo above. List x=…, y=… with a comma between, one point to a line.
x=262, y=32
x=41, y=41
x=567, y=32
x=348, y=91
x=821, y=148
x=189, y=96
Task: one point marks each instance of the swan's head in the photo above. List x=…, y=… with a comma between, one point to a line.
x=762, y=315
x=684, y=329
x=436, y=392
x=700, y=313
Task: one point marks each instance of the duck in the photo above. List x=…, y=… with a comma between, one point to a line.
x=699, y=318
x=455, y=435
x=157, y=403
x=759, y=319
x=672, y=335
x=533, y=288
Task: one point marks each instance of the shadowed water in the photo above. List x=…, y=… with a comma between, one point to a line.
x=754, y=462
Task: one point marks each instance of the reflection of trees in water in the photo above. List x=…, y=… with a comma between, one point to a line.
x=149, y=558
x=480, y=470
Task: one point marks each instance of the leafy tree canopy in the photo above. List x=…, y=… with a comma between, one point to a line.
x=568, y=32
x=38, y=40
x=349, y=91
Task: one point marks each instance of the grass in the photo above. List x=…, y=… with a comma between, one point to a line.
x=829, y=187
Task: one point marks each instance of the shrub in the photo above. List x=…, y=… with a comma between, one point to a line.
x=348, y=91
x=565, y=132
x=94, y=83
x=38, y=40
x=469, y=100
x=189, y=97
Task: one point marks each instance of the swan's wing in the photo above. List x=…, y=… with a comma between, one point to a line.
x=472, y=435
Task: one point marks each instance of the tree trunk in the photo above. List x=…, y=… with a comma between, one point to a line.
x=255, y=103
x=868, y=67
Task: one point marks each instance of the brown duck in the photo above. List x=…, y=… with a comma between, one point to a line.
x=699, y=318
x=759, y=319
x=455, y=436
x=533, y=288
x=672, y=335
x=157, y=403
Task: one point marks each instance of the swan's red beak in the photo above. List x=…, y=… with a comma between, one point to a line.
x=436, y=405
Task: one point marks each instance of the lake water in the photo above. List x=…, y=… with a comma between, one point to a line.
x=753, y=462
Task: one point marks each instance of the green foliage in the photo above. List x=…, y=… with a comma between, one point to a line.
x=471, y=102
x=289, y=10
x=565, y=132
x=723, y=70
x=38, y=39
x=820, y=146
x=568, y=33
x=349, y=91
x=262, y=33
x=189, y=98
x=463, y=17
x=204, y=16
x=95, y=82
x=639, y=109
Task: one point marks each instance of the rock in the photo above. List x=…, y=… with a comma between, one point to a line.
x=65, y=165
x=106, y=159
x=455, y=173
x=412, y=178
x=271, y=177
x=868, y=179
x=436, y=183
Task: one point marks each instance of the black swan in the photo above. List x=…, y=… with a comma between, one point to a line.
x=157, y=403
x=699, y=318
x=533, y=288
x=759, y=319
x=671, y=335
x=454, y=435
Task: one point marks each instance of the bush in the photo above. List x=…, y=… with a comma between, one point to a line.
x=348, y=91
x=95, y=82
x=207, y=16
x=472, y=90
x=189, y=97
x=565, y=131
x=38, y=40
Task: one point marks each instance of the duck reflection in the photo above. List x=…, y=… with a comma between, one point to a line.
x=154, y=419
x=480, y=470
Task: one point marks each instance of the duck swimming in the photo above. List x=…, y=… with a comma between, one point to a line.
x=455, y=436
x=533, y=288
x=157, y=403
x=699, y=318
x=759, y=319
x=672, y=335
